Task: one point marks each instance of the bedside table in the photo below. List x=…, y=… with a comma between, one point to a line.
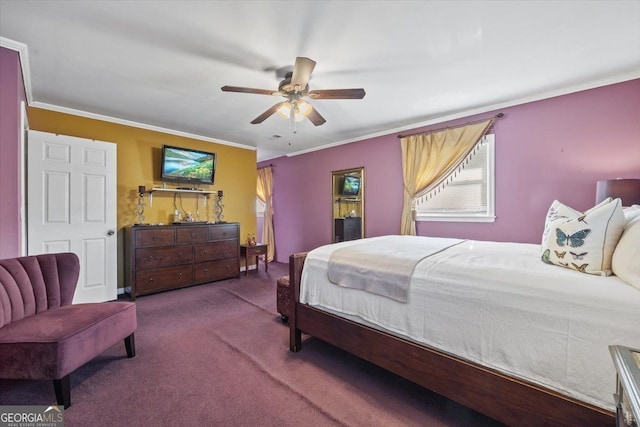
x=627, y=397
x=254, y=250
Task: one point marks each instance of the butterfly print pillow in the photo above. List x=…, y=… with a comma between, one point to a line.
x=583, y=241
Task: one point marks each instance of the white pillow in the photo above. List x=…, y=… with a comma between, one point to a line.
x=585, y=242
x=626, y=258
x=630, y=213
x=560, y=210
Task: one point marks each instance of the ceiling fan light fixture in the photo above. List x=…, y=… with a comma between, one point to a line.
x=300, y=112
x=293, y=88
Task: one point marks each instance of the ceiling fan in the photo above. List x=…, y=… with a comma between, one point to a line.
x=294, y=88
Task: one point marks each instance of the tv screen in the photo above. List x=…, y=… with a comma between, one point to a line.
x=350, y=186
x=187, y=165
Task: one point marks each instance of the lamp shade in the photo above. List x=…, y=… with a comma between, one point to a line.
x=628, y=190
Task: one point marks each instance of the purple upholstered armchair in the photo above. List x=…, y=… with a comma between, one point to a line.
x=42, y=335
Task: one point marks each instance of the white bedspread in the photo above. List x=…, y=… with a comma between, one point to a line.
x=383, y=269
x=498, y=305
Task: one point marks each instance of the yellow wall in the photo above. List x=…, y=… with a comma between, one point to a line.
x=139, y=157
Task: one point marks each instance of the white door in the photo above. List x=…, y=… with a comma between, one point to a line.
x=71, y=207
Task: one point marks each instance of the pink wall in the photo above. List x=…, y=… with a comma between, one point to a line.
x=11, y=94
x=551, y=149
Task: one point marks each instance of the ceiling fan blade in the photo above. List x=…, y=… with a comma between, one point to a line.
x=316, y=118
x=261, y=118
x=249, y=90
x=337, y=94
x=302, y=73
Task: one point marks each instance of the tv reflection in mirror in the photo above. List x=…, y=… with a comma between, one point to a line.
x=350, y=186
x=185, y=165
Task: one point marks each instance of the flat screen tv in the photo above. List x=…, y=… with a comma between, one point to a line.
x=350, y=186
x=184, y=165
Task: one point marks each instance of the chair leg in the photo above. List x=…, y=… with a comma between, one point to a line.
x=130, y=344
x=63, y=391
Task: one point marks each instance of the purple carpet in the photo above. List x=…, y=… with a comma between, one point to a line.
x=217, y=354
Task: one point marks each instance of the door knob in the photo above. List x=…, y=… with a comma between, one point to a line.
x=110, y=233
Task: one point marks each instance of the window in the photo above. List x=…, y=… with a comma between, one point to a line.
x=260, y=207
x=470, y=195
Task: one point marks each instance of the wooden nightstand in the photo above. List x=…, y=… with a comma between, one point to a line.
x=627, y=397
x=254, y=250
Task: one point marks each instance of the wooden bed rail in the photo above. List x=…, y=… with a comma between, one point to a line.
x=296, y=262
x=499, y=396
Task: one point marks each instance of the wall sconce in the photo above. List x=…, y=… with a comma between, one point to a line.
x=140, y=205
x=219, y=206
x=628, y=190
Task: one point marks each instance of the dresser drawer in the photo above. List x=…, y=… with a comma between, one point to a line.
x=192, y=234
x=254, y=250
x=157, y=237
x=163, y=256
x=223, y=232
x=216, y=270
x=161, y=279
x=217, y=250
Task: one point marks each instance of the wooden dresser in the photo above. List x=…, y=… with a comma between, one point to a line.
x=347, y=229
x=163, y=257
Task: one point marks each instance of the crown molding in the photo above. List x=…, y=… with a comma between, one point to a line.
x=593, y=84
x=123, y=122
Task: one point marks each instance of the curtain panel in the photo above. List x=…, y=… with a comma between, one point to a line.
x=265, y=193
x=428, y=159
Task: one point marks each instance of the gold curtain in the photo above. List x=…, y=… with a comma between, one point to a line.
x=265, y=193
x=429, y=159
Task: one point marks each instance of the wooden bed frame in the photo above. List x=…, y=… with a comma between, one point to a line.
x=499, y=396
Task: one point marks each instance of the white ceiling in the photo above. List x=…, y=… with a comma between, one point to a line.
x=161, y=64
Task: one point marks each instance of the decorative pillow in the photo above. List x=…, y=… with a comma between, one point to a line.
x=626, y=258
x=585, y=242
x=560, y=210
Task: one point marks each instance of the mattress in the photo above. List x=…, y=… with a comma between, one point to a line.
x=498, y=305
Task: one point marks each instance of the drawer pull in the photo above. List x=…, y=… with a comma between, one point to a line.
x=206, y=270
x=150, y=279
x=180, y=275
x=206, y=251
x=180, y=255
x=150, y=258
x=154, y=238
x=193, y=235
x=224, y=233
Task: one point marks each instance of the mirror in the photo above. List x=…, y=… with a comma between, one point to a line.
x=347, y=197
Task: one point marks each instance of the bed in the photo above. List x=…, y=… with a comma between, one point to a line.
x=503, y=333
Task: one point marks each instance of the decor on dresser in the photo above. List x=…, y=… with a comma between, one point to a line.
x=627, y=190
x=140, y=205
x=219, y=207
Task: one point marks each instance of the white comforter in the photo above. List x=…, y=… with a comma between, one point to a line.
x=498, y=305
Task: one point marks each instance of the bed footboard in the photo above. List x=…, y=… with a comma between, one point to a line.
x=499, y=396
